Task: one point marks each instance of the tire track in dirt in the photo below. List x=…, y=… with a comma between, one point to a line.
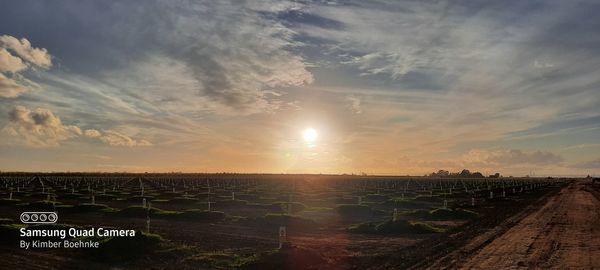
x=563, y=234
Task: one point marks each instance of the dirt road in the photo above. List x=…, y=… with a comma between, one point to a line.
x=563, y=234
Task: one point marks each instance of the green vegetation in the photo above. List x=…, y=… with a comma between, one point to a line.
x=105, y=197
x=318, y=209
x=42, y=205
x=88, y=207
x=232, y=203
x=264, y=206
x=139, y=198
x=72, y=196
x=201, y=215
x=247, y=197
x=394, y=227
x=6, y=220
x=443, y=214
x=142, y=212
x=296, y=206
x=353, y=210
x=376, y=197
x=221, y=259
x=429, y=198
x=276, y=220
x=183, y=200
x=404, y=203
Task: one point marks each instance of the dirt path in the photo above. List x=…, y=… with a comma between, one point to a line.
x=563, y=234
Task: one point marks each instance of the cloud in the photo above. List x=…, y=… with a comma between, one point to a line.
x=42, y=128
x=92, y=133
x=354, y=104
x=582, y=146
x=392, y=63
x=115, y=138
x=239, y=53
x=502, y=62
x=10, y=88
x=591, y=164
x=10, y=63
x=391, y=38
x=236, y=52
x=542, y=64
x=39, y=127
x=36, y=56
x=431, y=79
x=510, y=157
x=12, y=84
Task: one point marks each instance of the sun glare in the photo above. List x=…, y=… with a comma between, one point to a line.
x=310, y=135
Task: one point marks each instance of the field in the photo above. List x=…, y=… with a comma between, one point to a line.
x=233, y=221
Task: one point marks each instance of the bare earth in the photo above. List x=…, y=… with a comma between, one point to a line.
x=563, y=234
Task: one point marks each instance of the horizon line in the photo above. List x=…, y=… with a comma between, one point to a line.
x=290, y=174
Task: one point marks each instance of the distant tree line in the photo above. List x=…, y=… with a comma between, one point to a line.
x=464, y=174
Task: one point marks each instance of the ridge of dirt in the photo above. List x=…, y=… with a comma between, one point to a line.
x=563, y=234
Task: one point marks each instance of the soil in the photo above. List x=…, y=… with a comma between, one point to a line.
x=563, y=234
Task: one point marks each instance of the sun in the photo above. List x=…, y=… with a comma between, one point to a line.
x=310, y=135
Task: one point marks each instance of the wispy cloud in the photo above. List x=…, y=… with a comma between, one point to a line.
x=115, y=138
x=510, y=157
x=590, y=164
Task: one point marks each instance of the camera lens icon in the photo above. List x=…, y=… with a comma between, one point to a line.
x=39, y=217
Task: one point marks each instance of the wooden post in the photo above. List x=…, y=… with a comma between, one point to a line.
x=282, y=236
x=148, y=219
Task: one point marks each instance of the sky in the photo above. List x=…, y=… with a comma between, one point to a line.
x=376, y=87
